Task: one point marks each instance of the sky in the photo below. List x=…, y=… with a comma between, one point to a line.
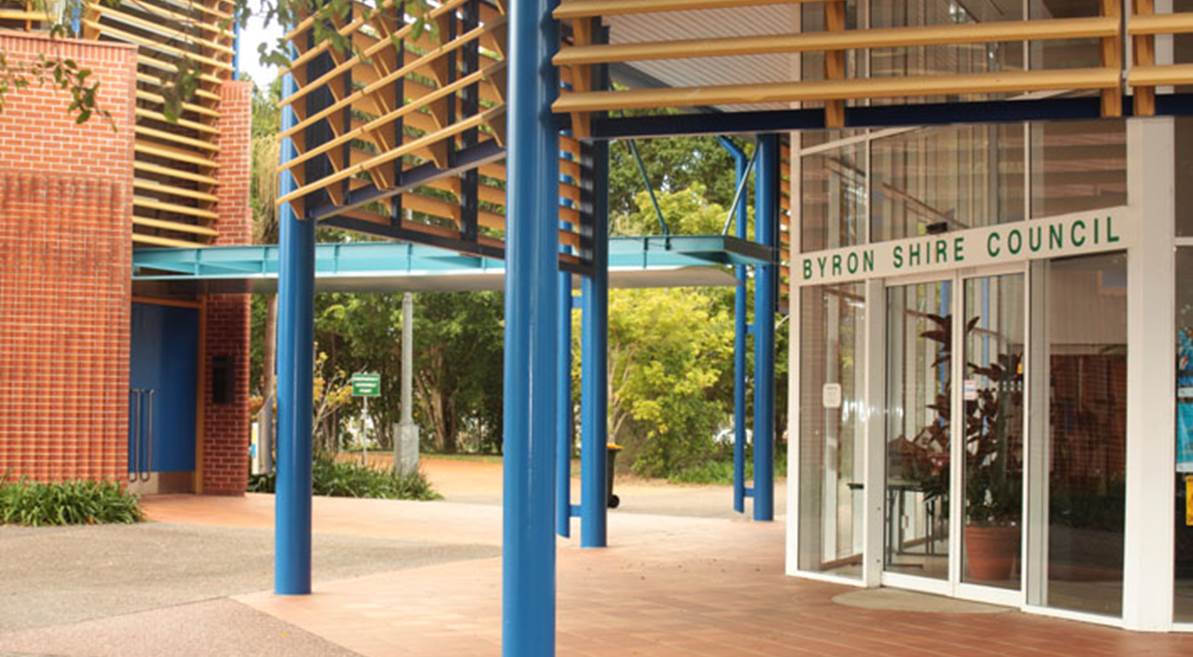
x=252, y=35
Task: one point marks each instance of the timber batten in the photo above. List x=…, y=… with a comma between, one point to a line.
x=402, y=135
x=394, y=126
x=175, y=157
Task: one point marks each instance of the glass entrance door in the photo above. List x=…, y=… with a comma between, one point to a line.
x=955, y=435
x=992, y=403
x=919, y=430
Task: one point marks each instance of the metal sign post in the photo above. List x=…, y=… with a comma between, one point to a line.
x=366, y=385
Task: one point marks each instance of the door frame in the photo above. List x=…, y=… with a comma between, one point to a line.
x=953, y=585
x=199, y=305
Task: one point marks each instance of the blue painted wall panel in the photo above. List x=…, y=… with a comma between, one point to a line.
x=165, y=342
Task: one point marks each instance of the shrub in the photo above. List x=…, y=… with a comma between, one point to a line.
x=708, y=472
x=720, y=471
x=340, y=479
x=67, y=503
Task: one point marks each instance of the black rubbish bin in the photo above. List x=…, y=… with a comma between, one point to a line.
x=611, y=451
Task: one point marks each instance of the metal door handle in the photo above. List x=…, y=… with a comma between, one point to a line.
x=135, y=457
x=147, y=470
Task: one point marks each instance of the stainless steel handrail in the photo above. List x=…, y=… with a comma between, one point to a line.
x=147, y=472
x=135, y=457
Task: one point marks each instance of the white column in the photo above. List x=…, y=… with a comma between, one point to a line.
x=1148, y=549
x=875, y=431
x=791, y=517
x=794, y=321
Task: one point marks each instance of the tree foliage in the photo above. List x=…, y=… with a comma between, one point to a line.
x=667, y=350
x=672, y=165
x=180, y=86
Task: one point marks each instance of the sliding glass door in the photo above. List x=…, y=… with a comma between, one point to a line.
x=955, y=429
x=919, y=430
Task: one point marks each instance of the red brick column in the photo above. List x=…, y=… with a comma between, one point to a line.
x=227, y=316
x=65, y=252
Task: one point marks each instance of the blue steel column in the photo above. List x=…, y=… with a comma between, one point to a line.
x=564, y=419
x=594, y=356
x=295, y=363
x=766, y=222
x=739, y=341
x=563, y=412
x=531, y=316
x=594, y=345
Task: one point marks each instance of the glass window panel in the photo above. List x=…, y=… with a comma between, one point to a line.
x=950, y=178
x=949, y=59
x=1182, y=44
x=1079, y=310
x=832, y=367
x=1183, y=128
x=1078, y=166
x=1183, y=599
x=833, y=198
x=812, y=63
x=1071, y=53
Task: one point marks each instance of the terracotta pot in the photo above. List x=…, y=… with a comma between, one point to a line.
x=990, y=552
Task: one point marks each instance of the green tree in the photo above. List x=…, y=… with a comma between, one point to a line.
x=667, y=349
x=459, y=340
x=362, y=332
x=457, y=368
x=672, y=165
x=688, y=211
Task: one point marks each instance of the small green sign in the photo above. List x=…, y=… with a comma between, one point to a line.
x=366, y=384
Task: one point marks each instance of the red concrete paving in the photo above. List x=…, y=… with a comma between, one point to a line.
x=478, y=481
x=670, y=586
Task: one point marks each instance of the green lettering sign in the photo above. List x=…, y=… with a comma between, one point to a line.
x=366, y=384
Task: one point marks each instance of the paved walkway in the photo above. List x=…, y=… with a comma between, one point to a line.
x=395, y=579
x=669, y=586
x=478, y=481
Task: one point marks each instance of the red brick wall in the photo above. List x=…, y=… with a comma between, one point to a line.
x=235, y=222
x=226, y=426
x=38, y=134
x=65, y=230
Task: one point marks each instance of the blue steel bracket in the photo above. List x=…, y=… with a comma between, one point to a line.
x=575, y=510
x=249, y=262
x=654, y=201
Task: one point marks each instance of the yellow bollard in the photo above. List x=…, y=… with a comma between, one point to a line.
x=1189, y=500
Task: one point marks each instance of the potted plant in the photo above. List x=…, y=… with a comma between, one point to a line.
x=994, y=466
x=993, y=454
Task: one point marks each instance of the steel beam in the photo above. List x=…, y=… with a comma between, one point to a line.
x=295, y=362
x=766, y=232
x=884, y=116
x=531, y=310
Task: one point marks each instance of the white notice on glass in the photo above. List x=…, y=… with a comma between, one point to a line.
x=971, y=390
x=831, y=395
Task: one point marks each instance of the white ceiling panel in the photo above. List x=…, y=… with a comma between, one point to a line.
x=709, y=71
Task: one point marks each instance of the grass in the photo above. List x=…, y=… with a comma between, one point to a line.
x=349, y=479
x=67, y=503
